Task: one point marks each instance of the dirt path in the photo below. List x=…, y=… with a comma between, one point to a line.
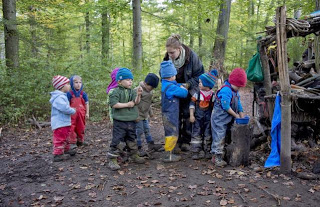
x=28, y=177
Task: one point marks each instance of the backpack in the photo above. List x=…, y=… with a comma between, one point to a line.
x=254, y=71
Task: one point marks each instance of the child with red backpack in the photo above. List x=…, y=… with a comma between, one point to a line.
x=200, y=114
x=78, y=99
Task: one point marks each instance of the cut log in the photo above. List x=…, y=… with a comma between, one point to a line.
x=239, y=149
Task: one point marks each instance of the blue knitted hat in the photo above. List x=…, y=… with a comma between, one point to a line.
x=124, y=73
x=209, y=79
x=167, y=69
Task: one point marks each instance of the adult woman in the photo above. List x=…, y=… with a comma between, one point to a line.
x=189, y=68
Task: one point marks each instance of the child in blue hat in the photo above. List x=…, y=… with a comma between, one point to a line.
x=200, y=114
x=171, y=91
x=123, y=102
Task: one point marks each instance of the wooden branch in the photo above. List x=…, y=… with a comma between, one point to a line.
x=238, y=192
x=276, y=197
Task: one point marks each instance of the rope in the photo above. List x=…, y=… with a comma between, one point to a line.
x=297, y=26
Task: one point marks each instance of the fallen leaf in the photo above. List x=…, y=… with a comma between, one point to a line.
x=58, y=198
x=192, y=186
x=290, y=183
x=286, y=198
x=2, y=187
x=223, y=202
x=211, y=181
x=155, y=181
x=93, y=194
x=160, y=167
x=121, y=172
x=311, y=190
x=242, y=185
x=173, y=188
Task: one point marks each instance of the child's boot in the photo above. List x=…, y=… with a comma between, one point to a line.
x=185, y=147
x=113, y=164
x=137, y=159
x=198, y=155
x=141, y=152
x=208, y=155
x=154, y=147
x=171, y=157
x=72, y=151
x=218, y=161
x=58, y=158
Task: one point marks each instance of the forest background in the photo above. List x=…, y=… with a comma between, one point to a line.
x=92, y=37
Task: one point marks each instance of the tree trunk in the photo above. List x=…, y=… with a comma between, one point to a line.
x=80, y=42
x=137, y=35
x=87, y=20
x=191, y=32
x=218, y=53
x=10, y=33
x=105, y=28
x=32, y=22
x=200, y=37
x=285, y=156
x=317, y=44
x=239, y=149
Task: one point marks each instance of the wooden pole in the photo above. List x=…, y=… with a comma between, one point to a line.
x=285, y=156
x=267, y=76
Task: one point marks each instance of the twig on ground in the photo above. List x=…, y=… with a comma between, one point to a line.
x=276, y=197
x=238, y=192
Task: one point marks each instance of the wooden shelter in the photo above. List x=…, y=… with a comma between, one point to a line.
x=283, y=29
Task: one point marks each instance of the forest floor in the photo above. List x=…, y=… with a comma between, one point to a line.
x=28, y=177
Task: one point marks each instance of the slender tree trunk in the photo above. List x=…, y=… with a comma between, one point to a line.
x=266, y=20
x=32, y=22
x=200, y=37
x=80, y=42
x=220, y=42
x=285, y=155
x=137, y=35
x=190, y=31
x=317, y=44
x=105, y=28
x=87, y=20
x=10, y=33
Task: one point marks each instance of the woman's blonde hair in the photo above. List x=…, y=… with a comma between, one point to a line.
x=174, y=41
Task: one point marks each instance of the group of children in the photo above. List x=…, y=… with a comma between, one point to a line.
x=211, y=114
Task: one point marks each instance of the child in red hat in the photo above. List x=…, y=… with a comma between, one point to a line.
x=227, y=106
x=61, y=118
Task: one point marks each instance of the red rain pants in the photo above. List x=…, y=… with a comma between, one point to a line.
x=78, y=120
x=61, y=140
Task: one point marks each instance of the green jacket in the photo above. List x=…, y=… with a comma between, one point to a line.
x=123, y=95
x=144, y=106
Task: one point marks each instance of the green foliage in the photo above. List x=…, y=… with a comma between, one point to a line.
x=53, y=39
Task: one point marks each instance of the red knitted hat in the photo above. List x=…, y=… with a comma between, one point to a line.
x=238, y=77
x=59, y=81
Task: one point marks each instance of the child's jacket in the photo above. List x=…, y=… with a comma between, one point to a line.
x=123, y=95
x=144, y=106
x=170, y=94
x=60, y=110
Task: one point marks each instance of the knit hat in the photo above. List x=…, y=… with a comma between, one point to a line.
x=113, y=83
x=238, y=77
x=152, y=80
x=167, y=69
x=209, y=79
x=59, y=81
x=124, y=73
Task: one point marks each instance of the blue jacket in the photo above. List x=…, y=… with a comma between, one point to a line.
x=60, y=110
x=174, y=90
x=225, y=96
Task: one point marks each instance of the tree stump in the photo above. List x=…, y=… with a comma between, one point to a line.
x=237, y=152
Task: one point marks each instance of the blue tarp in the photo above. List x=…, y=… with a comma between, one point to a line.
x=274, y=157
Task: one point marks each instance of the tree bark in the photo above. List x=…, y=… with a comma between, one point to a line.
x=200, y=36
x=285, y=156
x=32, y=22
x=105, y=28
x=87, y=20
x=218, y=53
x=239, y=149
x=137, y=35
x=10, y=34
